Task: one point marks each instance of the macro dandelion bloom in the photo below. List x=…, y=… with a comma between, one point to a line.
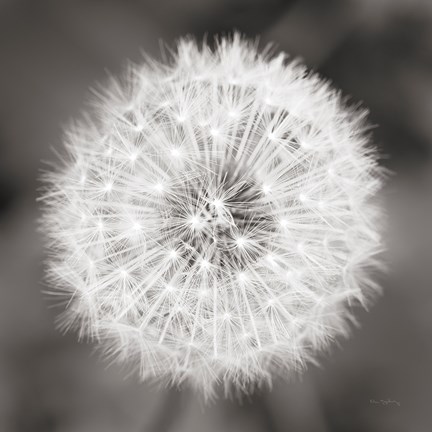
x=212, y=222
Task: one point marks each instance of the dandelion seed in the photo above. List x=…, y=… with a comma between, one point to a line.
x=159, y=187
x=195, y=222
x=215, y=289
x=108, y=187
x=169, y=288
x=205, y=265
x=218, y=204
x=303, y=198
x=173, y=254
x=283, y=223
x=271, y=136
x=271, y=259
x=241, y=242
x=175, y=152
x=266, y=189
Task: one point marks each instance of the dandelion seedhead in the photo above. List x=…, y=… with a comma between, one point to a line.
x=212, y=222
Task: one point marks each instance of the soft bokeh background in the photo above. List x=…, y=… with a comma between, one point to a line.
x=378, y=51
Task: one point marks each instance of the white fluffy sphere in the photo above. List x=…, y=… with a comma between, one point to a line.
x=212, y=221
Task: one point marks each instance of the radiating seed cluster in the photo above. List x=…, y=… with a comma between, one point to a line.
x=213, y=220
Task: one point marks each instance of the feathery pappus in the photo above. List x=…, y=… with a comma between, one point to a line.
x=213, y=220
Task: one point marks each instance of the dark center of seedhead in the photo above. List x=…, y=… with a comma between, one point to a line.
x=224, y=219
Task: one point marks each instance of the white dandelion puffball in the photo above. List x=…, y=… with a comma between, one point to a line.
x=212, y=222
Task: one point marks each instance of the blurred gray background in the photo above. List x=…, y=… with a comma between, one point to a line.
x=378, y=51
